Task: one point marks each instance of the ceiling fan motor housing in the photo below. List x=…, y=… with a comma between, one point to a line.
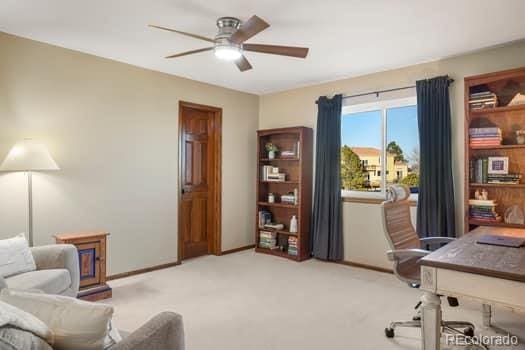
x=227, y=26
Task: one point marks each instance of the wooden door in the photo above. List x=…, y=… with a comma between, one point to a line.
x=89, y=261
x=199, y=209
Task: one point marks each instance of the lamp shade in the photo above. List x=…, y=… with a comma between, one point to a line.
x=28, y=155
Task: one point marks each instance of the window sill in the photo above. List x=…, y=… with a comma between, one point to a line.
x=371, y=198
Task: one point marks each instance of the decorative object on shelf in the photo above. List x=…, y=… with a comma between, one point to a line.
x=271, y=198
x=519, y=99
x=29, y=156
x=520, y=137
x=293, y=224
x=274, y=226
x=510, y=92
x=481, y=195
x=514, y=215
x=272, y=150
x=498, y=166
x=91, y=248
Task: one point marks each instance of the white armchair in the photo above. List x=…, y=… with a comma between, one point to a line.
x=57, y=271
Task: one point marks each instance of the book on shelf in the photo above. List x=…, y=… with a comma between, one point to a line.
x=267, y=239
x=265, y=217
x=491, y=170
x=271, y=173
x=480, y=137
x=483, y=210
x=292, y=246
x=483, y=100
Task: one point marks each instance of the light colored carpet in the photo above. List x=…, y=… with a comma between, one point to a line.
x=254, y=301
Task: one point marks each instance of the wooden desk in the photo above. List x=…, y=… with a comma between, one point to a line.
x=490, y=274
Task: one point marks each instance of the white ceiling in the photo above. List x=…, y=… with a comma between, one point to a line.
x=346, y=37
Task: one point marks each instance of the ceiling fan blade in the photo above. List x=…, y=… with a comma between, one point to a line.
x=243, y=64
x=190, y=52
x=183, y=33
x=300, y=52
x=248, y=29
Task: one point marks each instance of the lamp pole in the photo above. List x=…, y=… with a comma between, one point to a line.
x=30, y=208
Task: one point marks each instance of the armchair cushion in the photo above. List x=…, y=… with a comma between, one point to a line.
x=53, y=281
x=15, y=256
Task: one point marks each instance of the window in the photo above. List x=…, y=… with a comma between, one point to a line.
x=380, y=145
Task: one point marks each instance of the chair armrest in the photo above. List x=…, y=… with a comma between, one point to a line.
x=3, y=284
x=436, y=240
x=406, y=253
x=58, y=256
x=164, y=331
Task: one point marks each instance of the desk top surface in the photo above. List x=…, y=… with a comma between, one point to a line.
x=466, y=255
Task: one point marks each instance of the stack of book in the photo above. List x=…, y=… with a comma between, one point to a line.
x=267, y=239
x=288, y=198
x=265, y=217
x=287, y=154
x=483, y=137
x=271, y=173
x=483, y=210
x=507, y=179
x=482, y=100
x=292, y=245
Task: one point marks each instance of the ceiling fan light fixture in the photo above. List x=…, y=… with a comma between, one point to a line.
x=228, y=52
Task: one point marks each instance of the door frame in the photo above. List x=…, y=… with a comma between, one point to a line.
x=216, y=242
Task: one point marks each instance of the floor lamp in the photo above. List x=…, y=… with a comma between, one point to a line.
x=29, y=156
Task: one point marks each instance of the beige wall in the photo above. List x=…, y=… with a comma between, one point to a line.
x=113, y=129
x=363, y=240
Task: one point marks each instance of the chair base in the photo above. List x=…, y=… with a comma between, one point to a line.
x=463, y=328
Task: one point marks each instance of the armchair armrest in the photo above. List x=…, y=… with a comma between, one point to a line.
x=399, y=254
x=58, y=256
x=164, y=331
x=436, y=240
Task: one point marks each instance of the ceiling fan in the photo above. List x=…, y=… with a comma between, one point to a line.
x=229, y=43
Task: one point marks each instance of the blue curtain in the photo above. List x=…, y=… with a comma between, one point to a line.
x=435, y=208
x=327, y=235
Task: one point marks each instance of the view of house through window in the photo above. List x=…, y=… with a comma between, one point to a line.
x=380, y=145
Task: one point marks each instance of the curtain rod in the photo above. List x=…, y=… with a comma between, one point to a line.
x=450, y=81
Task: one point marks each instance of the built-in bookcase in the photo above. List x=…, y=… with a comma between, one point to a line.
x=507, y=118
x=296, y=165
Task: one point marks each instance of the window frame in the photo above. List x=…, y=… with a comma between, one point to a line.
x=382, y=106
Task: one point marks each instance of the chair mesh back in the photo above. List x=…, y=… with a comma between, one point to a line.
x=398, y=226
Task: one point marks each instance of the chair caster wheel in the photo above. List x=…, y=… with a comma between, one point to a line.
x=468, y=332
x=389, y=332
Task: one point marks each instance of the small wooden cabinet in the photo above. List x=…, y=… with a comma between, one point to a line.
x=91, y=248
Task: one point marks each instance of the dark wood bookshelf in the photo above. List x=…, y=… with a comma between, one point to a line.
x=298, y=172
x=508, y=119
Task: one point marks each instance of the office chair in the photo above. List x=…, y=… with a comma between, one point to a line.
x=406, y=248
